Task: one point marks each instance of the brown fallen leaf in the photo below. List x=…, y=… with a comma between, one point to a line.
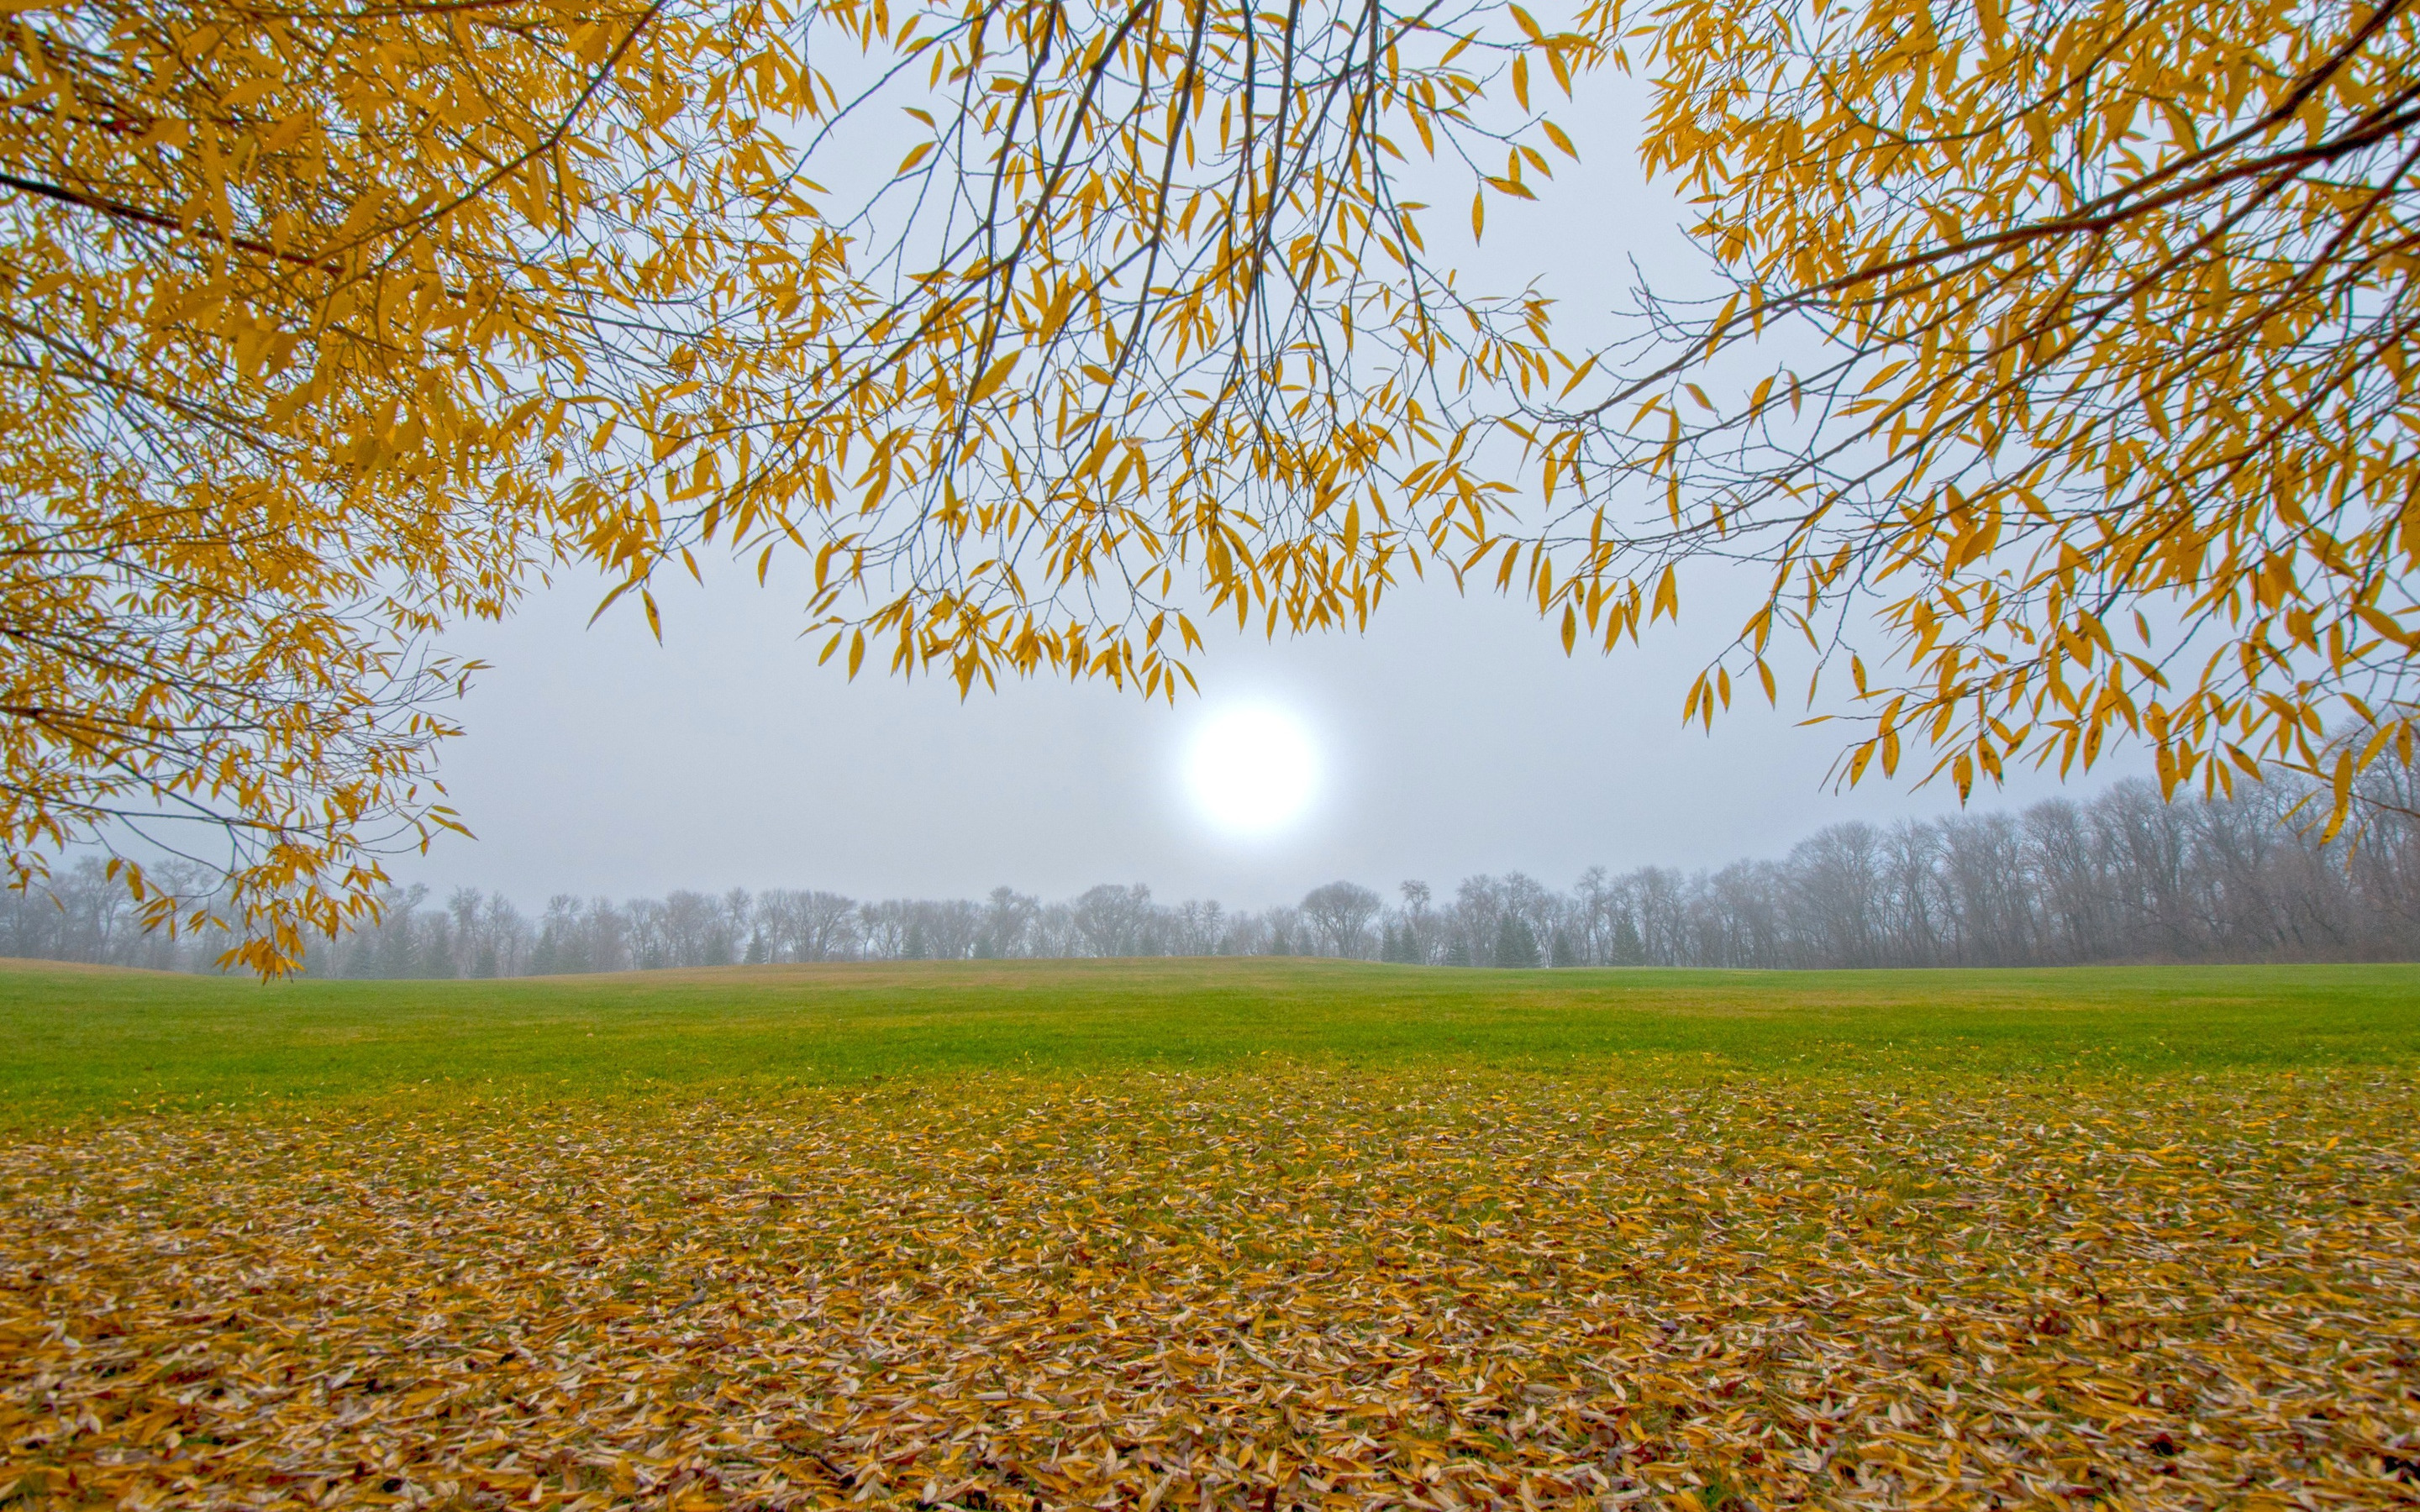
x=1179, y=1292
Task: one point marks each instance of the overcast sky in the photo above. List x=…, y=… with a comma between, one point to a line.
x=1455, y=737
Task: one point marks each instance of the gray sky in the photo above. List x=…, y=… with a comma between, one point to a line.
x=1456, y=737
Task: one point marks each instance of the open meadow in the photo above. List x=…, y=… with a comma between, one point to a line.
x=1213, y=1234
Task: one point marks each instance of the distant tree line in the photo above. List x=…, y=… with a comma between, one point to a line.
x=2120, y=877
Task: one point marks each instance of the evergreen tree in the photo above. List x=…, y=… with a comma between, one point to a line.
x=1516, y=943
x=1563, y=952
x=395, y=953
x=1457, y=953
x=1628, y=950
x=435, y=948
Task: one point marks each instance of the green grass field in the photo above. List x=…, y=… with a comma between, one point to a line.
x=1208, y=1234
x=85, y=1042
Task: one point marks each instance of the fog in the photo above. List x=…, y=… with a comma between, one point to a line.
x=1455, y=737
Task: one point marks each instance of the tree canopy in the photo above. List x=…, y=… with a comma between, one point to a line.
x=301, y=306
x=2072, y=341
x=331, y=323
x=2067, y=343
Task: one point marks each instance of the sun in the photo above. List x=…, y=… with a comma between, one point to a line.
x=1251, y=771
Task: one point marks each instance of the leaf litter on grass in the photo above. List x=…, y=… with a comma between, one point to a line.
x=1292, y=1288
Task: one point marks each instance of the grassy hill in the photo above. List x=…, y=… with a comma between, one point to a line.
x=1184, y=1234
x=84, y=1041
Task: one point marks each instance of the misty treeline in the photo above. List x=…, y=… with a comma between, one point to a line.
x=2119, y=877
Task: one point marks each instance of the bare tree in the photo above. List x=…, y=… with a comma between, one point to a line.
x=809, y=926
x=2122, y=877
x=1007, y=925
x=1114, y=921
x=1338, y=916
